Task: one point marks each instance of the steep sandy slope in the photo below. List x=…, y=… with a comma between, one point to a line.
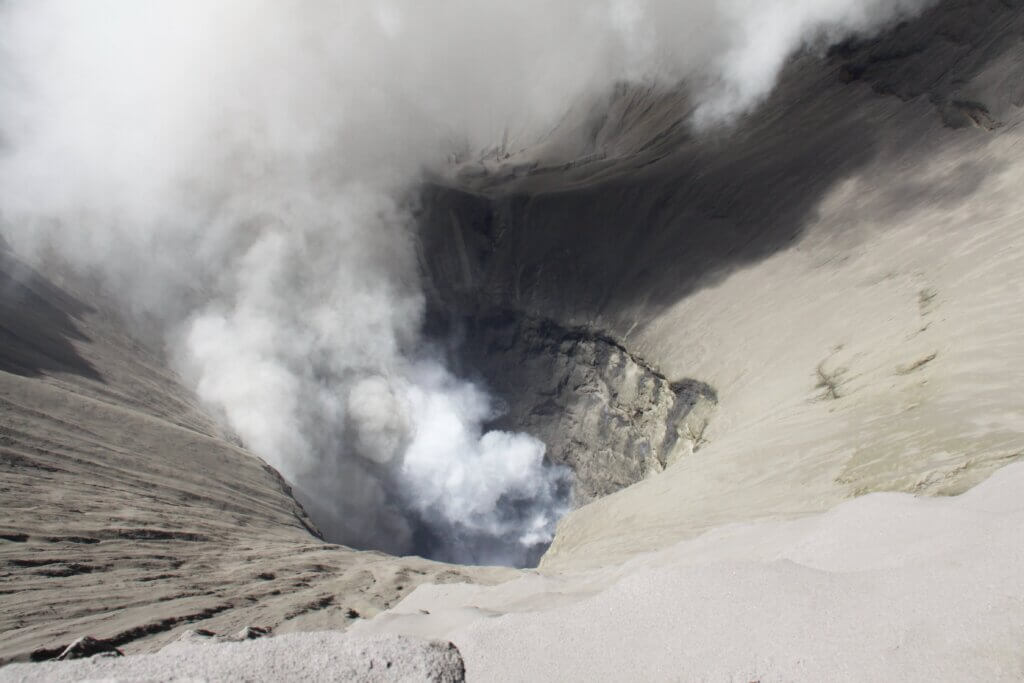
x=881, y=349
x=127, y=515
x=843, y=269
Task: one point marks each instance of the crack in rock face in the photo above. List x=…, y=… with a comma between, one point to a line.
x=600, y=410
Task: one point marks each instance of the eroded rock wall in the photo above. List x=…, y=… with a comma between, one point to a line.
x=603, y=412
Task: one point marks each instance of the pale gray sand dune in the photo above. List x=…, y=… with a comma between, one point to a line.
x=886, y=587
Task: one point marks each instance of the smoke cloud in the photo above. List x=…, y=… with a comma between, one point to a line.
x=241, y=169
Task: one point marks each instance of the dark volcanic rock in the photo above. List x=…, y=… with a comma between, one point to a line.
x=599, y=409
x=87, y=646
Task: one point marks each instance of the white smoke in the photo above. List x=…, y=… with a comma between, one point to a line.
x=240, y=169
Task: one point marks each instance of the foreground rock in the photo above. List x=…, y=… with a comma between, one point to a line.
x=310, y=657
x=86, y=647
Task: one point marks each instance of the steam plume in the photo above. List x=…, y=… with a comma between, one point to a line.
x=241, y=169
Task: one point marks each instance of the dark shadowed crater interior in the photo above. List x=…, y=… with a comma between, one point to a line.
x=601, y=410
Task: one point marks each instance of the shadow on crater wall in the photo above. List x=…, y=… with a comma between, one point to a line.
x=633, y=242
x=38, y=323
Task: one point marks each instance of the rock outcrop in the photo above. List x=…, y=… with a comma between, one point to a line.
x=601, y=411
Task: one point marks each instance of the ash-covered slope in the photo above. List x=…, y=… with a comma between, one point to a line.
x=845, y=270
x=128, y=515
x=842, y=268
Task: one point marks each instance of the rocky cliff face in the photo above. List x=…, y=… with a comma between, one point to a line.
x=601, y=411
